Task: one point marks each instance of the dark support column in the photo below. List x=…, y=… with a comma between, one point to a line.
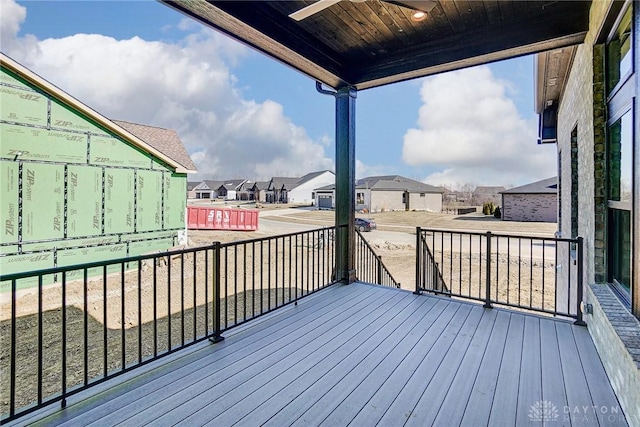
x=345, y=183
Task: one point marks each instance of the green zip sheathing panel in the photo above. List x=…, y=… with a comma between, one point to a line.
x=9, y=202
x=175, y=186
x=26, y=262
x=31, y=143
x=118, y=201
x=23, y=106
x=111, y=151
x=42, y=201
x=63, y=118
x=84, y=201
x=71, y=192
x=148, y=204
x=8, y=80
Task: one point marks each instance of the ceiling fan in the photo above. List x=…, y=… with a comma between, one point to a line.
x=420, y=7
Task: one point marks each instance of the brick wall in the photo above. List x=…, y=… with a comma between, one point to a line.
x=576, y=111
x=530, y=207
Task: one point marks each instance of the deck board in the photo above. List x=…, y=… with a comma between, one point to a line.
x=126, y=403
x=530, y=385
x=336, y=385
x=574, y=376
x=452, y=363
x=218, y=393
x=460, y=391
x=334, y=357
x=505, y=400
x=553, y=389
x=388, y=392
x=597, y=381
x=448, y=345
x=478, y=407
x=343, y=406
x=363, y=355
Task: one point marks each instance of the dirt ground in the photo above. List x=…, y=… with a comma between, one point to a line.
x=152, y=321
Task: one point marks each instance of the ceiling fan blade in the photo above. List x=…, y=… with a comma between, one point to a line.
x=316, y=7
x=421, y=5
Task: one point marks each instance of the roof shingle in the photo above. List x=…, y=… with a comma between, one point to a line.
x=166, y=141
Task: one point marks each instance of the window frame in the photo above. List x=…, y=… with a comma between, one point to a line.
x=620, y=100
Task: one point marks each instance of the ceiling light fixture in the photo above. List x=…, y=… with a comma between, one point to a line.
x=418, y=16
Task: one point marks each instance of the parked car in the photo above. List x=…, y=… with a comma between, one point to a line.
x=364, y=224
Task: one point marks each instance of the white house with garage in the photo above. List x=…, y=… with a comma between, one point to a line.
x=387, y=193
x=303, y=190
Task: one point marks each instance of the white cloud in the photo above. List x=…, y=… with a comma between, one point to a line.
x=470, y=131
x=13, y=15
x=187, y=86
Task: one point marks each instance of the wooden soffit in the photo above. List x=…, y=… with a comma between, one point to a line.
x=365, y=44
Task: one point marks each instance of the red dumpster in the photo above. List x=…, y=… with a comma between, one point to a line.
x=199, y=218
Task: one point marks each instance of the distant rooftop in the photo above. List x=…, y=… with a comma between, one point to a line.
x=545, y=186
x=396, y=182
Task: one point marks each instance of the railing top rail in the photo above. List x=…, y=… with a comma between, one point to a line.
x=501, y=234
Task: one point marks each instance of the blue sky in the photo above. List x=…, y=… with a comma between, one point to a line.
x=241, y=114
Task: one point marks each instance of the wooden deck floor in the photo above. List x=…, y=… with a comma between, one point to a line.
x=364, y=355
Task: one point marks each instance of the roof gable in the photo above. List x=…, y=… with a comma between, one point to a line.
x=66, y=100
x=209, y=185
x=283, y=182
x=233, y=184
x=308, y=177
x=261, y=185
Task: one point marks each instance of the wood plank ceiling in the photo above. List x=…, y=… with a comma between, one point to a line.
x=375, y=42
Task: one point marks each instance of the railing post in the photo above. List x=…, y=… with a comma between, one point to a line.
x=418, y=259
x=216, y=294
x=379, y=259
x=579, y=321
x=487, y=297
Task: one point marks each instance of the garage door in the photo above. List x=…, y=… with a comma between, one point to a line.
x=324, y=202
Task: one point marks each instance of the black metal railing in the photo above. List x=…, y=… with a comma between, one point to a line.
x=526, y=272
x=369, y=265
x=66, y=329
x=429, y=274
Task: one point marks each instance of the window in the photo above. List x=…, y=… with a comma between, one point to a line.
x=619, y=68
x=574, y=183
x=620, y=53
x=619, y=166
x=620, y=158
x=560, y=192
x=359, y=198
x=422, y=195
